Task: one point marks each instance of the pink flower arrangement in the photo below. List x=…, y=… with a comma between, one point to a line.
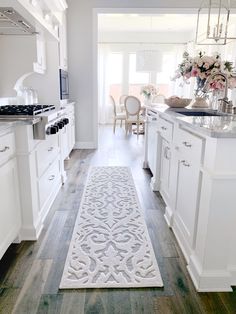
x=148, y=91
x=202, y=66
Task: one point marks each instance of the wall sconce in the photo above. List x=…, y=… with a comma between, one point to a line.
x=216, y=29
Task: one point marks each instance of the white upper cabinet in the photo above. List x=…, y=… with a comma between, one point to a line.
x=44, y=15
x=41, y=64
x=63, y=43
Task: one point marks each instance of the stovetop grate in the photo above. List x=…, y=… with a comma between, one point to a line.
x=28, y=110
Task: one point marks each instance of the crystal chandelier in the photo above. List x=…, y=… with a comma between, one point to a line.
x=213, y=23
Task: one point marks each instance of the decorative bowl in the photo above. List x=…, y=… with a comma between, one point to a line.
x=176, y=102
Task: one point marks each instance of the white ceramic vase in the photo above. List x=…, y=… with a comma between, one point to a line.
x=148, y=101
x=200, y=102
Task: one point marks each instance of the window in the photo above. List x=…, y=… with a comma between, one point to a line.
x=136, y=79
x=163, y=78
x=115, y=66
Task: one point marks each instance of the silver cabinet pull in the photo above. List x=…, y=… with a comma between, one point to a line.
x=164, y=128
x=50, y=149
x=187, y=144
x=51, y=178
x=185, y=163
x=167, y=153
x=154, y=119
x=4, y=149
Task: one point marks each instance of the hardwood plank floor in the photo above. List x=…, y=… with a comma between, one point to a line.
x=30, y=272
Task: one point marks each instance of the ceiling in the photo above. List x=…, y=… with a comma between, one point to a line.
x=149, y=23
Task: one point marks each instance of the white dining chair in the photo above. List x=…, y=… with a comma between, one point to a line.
x=158, y=99
x=122, y=101
x=133, y=114
x=116, y=115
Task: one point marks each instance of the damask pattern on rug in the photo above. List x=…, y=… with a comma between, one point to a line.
x=110, y=246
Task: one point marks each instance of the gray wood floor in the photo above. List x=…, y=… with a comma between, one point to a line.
x=30, y=272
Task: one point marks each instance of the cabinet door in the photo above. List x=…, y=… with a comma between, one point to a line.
x=10, y=216
x=152, y=145
x=187, y=199
x=165, y=169
x=63, y=44
x=40, y=65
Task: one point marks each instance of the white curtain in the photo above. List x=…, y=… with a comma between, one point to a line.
x=104, y=106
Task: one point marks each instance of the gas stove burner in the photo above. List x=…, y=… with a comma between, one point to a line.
x=28, y=110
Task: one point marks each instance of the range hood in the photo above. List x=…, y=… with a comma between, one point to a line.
x=12, y=23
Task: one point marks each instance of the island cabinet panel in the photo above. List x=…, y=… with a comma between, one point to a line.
x=187, y=202
x=152, y=143
x=197, y=179
x=165, y=169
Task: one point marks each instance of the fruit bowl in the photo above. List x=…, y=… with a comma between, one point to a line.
x=176, y=102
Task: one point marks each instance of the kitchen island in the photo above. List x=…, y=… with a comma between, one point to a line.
x=192, y=159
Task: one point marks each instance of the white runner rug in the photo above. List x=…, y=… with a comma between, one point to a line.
x=110, y=246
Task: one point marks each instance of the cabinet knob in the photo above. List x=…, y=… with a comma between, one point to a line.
x=187, y=144
x=185, y=163
x=167, y=153
x=51, y=178
x=4, y=149
x=164, y=128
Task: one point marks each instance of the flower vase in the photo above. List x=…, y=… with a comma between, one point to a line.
x=217, y=95
x=200, y=102
x=148, y=101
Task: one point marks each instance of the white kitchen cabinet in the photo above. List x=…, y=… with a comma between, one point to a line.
x=188, y=155
x=165, y=169
x=200, y=205
x=10, y=209
x=68, y=132
x=187, y=200
x=63, y=43
x=45, y=15
x=151, y=148
x=152, y=143
x=40, y=65
x=10, y=214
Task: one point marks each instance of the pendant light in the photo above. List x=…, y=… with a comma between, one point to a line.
x=148, y=61
x=213, y=23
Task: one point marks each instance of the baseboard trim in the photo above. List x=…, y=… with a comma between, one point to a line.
x=208, y=281
x=85, y=145
x=154, y=184
x=169, y=216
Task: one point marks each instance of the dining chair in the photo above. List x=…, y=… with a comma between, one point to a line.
x=122, y=101
x=133, y=114
x=159, y=99
x=116, y=115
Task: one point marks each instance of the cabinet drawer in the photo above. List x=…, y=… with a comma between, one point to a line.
x=48, y=181
x=7, y=146
x=189, y=145
x=166, y=129
x=47, y=152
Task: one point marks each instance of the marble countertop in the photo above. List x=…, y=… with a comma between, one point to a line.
x=5, y=125
x=213, y=126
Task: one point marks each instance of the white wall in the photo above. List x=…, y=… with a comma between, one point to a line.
x=17, y=54
x=145, y=37
x=47, y=84
x=80, y=49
